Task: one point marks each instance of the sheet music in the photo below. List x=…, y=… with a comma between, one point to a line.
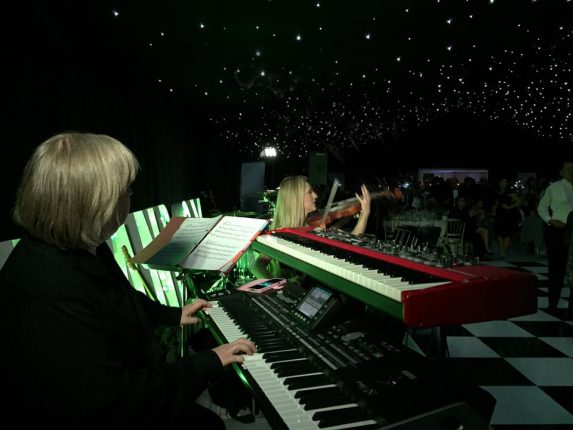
x=231, y=236
x=186, y=236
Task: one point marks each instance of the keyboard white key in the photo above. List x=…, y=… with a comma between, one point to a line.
x=388, y=286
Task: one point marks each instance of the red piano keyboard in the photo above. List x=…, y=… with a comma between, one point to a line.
x=468, y=293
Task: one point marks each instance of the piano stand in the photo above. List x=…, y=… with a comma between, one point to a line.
x=431, y=341
x=439, y=343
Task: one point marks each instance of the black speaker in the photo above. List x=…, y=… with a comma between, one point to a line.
x=252, y=186
x=318, y=168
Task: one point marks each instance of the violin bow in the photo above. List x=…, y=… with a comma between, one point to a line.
x=335, y=186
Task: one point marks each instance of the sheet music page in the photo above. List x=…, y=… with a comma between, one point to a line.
x=226, y=241
x=176, y=241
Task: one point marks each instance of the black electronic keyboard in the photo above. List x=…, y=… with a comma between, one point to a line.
x=340, y=375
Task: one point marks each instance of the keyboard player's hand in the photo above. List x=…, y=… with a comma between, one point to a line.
x=233, y=352
x=188, y=311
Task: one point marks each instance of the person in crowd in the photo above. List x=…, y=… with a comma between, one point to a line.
x=507, y=216
x=482, y=223
x=532, y=227
x=469, y=189
x=295, y=201
x=78, y=340
x=474, y=233
x=554, y=206
x=418, y=200
x=441, y=193
x=392, y=199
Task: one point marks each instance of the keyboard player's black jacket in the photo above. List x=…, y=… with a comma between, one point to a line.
x=78, y=346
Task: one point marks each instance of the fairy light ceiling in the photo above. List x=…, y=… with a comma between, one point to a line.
x=304, y=75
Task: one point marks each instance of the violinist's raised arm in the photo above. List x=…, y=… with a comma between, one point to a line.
x=365, y=201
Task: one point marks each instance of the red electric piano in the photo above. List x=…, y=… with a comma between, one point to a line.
x=416, y=292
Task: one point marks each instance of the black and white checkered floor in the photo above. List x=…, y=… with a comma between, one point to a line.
x=526, y=362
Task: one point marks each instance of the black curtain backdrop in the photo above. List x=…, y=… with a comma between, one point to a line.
x=179, y=160
x=58, y=78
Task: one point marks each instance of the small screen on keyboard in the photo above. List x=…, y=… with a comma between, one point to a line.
x=313, y=302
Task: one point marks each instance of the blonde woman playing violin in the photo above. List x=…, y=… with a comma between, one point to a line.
x=295, y=201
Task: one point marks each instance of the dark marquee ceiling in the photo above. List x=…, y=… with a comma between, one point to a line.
x=301, y=74
x=315, y=75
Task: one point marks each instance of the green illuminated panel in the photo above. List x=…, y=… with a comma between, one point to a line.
x=115, y=243
x=6, y=248
x=143, y=230
x=169, y=289
x=118, y=240
x=177, y=209
x=188, y=208
x=140, y=236
x=152, y=223
x=195, y=208
x=244, y=264
x=179, y=288
x=146, y=228
x=162, y=215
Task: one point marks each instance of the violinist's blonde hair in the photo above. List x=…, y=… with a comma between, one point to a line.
x=289, y=211
x=71, y=188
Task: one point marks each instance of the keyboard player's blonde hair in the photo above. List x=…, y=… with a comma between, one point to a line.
x=71, y=188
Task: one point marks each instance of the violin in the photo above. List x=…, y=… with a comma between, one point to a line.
x=338, y=210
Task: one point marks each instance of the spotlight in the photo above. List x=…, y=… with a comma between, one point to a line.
x=269, y=152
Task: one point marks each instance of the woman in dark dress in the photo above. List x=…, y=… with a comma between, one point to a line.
x=507, y=217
